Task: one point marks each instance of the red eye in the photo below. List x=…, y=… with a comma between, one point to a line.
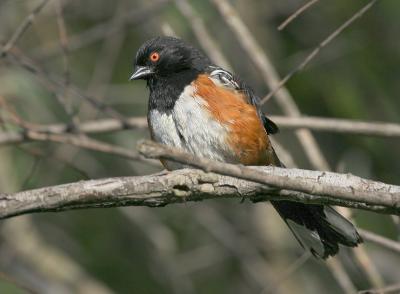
x=154, y=57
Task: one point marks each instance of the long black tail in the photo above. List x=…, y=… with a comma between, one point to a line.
x=318, y=228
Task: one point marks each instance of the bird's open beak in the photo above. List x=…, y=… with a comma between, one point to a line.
x=141, y=72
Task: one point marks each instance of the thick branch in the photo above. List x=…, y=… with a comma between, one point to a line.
x=152, y=190
x=341, y=186
x=156, y=190
x=193, y=185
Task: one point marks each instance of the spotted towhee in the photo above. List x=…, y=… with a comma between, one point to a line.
x=205, y=110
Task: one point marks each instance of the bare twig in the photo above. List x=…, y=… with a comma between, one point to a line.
x=88, y=127
x=388, y=289
x=39, y=153
x=343, y=126
x=22, y=28
x=107, y=57
x=63, y=38
x=164, y=254
x=252, y=262
x=381, y=241
x=321, y=45
x=295, y=14
x=50, y=261
x=90, y=144
x=288, y=272
x=132, y=17
x=63, y=97
x=368, y=266
x=200, y=30
x=29, y=133
x=396, y=221
x=336, y=125
x=55, y=84
x=338, y=271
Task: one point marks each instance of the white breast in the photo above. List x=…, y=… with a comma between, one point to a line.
x=191, y=127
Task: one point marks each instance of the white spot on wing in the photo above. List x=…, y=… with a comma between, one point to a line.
x=224, y=78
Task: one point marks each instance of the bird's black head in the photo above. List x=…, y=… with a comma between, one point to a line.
x=165, y=56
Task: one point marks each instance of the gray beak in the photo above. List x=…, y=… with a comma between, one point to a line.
x=141, y=72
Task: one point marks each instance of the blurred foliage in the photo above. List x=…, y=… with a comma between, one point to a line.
x=213, y=247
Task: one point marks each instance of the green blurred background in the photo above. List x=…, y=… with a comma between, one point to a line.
x=215, y=246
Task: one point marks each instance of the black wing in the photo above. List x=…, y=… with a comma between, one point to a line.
x=228, y=80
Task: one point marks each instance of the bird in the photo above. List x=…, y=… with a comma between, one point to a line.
x=205, y=110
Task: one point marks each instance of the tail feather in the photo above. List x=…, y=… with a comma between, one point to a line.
x=318, y=228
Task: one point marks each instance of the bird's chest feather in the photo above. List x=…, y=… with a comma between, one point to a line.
x=190, y=126
x=212, y=122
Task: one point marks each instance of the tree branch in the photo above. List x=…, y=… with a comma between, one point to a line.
x=337, y=125
x=305, y=186
x=344, y=126
x=340, y=186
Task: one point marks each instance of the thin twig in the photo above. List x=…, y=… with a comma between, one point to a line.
x=163, y=256
x=388, y=289
x=337, y=125
x=54, y=84
x=295, y=14
x=241, y=248
x=22, y=28
x=88, y=127
x=315, y=52
x=90, y=144
x=299, y=262
x=106, y=58
x=341, y=276
x=63, y=97
x=29, y=133
x=100, y=31
x=201, y=32
x=380, y=240
x=368, y=266
x=39, y=153
x=31, y=172
x=45, y=259
x=341, y=126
